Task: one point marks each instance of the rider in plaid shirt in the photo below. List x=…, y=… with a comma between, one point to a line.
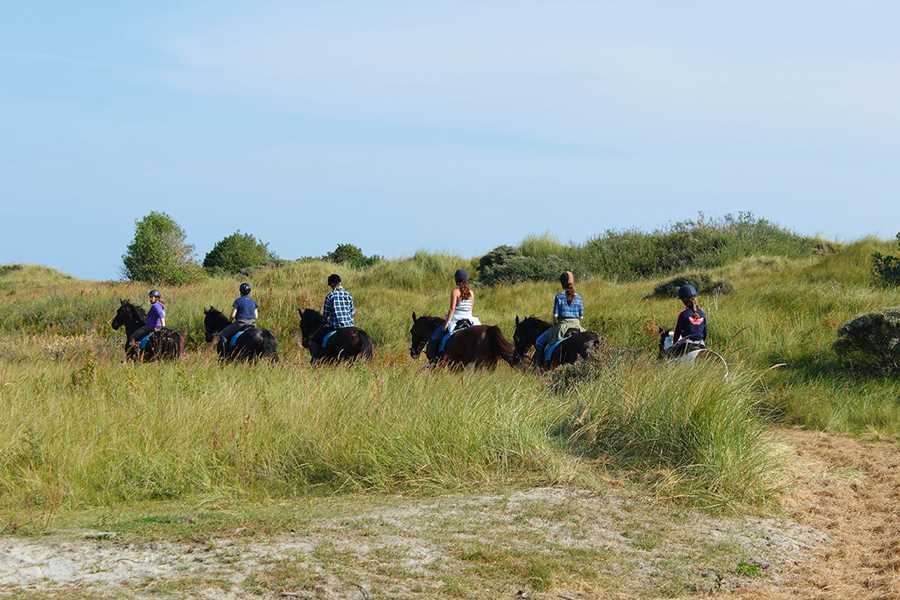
x=338, y=309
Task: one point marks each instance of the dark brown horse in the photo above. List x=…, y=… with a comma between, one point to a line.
x=577, y=345
x=144, y=345
x=481, y=346
x=347, y=343
x=252, y=344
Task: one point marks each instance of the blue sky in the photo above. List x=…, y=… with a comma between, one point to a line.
x=449, y=126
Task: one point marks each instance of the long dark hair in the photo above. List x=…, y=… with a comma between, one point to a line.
x=465, y=292
x=692, y=304
x=567, y=280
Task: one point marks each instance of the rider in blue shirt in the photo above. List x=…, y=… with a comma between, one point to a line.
x=568, y=310
x=244, y=314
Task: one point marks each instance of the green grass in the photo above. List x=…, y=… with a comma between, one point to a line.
x=81, y=429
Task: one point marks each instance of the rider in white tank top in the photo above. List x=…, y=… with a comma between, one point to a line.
x=463, y=309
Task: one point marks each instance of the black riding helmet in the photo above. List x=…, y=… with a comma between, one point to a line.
x=154, y=294
x=461, y=275
x=245, y=288
x=687, y=291
x=334, y=280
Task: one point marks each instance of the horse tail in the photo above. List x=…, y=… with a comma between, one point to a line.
x=182, y=335
x=168, y=345
x=368, y=350
x=502, y=346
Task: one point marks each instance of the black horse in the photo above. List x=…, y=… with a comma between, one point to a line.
x=576, y=345
x=163, y=344
x=481, y=345
x=252, y=344
x=347, y=343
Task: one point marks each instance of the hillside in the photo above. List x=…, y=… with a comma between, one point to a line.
x=91, y=442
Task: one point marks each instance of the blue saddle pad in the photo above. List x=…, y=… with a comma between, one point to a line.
x=550, y=349
x=144, y=341
x=327, y=337
x=235, y=337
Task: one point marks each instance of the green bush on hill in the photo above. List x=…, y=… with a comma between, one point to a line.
x=701, y=281
x=237, y=253
x=886, y=267
x=872, y=340
x=350, y=255
x=159, y=254
x=630, y=255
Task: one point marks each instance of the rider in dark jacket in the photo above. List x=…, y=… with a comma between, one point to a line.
x=691, y=325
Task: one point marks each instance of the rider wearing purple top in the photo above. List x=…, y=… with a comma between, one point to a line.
x=156, y=316
x=156, y=319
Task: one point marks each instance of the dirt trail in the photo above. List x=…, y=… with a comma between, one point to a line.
x=851, y=490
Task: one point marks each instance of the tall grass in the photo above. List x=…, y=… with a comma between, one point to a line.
x=701, y=435
x=80, y=428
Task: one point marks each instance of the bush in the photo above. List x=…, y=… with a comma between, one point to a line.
x=348, y=254
x=237, y=253
x=524, y=268
x=872, y=341
x=701, y=281
x=159, y=252
x=886, y=267
x=700, y=244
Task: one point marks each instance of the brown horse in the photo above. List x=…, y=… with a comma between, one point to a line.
x=481, y=346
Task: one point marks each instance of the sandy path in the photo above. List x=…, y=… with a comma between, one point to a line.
x=851, y=490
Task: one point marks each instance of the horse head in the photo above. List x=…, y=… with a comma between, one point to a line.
x=420, y=333
x=310, y=322
x=214, y=321
x=128, y=314
x=526, y=334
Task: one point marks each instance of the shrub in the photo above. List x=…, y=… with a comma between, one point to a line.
x=495, y=258
x=700, y=244
x=348, y=254
x=159, y=253
x=886, y=267
x=524, y=268
x=872, y=341
x=701, y=281
x=237, y=253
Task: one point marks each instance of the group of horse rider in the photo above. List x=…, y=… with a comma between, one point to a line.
x=338, y=311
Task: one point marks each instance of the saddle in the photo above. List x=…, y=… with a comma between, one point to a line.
x=551, y=348
x=232, y=341
x=460, y=325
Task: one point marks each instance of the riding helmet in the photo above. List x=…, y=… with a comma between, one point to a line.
x=154, y=294
x=461, y=275
x=687, y=291
x=334, y=280
x=245, y=289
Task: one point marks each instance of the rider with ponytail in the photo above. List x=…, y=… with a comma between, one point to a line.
x=691, y=325
x=568, y=311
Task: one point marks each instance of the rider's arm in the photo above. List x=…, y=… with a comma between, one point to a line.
x=454, y=296
x=255, y=313
x=679, y=329
x=555, y=309
x=233, y=313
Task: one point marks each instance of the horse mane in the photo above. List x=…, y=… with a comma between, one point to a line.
x=135, y=311
x=533, y=319
x=430, y=320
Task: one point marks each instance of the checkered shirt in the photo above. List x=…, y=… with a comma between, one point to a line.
x=338, y=310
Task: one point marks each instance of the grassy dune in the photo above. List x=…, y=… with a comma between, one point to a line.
x=82, y=429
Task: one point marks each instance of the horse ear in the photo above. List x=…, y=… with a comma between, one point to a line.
x=661, y=330
x=121, y=301
x=414, y=316
x=517, y=320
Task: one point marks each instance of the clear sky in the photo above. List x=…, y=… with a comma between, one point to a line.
x=450, y=126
